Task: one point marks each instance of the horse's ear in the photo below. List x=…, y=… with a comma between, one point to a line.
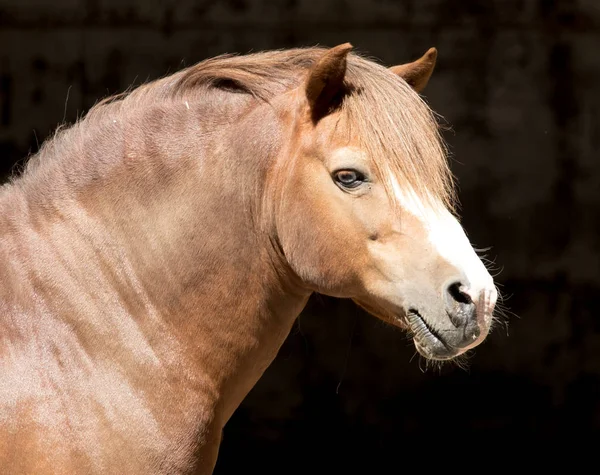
x=326, y=79
x=417, y=73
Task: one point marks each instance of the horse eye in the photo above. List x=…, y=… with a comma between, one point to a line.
x=349, y=178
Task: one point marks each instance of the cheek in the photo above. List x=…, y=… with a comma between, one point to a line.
x=373, y=214
x=398, y=256
x=320, y=237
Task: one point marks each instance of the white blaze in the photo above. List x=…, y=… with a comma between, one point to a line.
x=448, y=238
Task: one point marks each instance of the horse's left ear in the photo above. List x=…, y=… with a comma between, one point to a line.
x=326, y=79
x=417, y=73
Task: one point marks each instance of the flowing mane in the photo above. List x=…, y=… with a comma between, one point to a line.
x=394, y=124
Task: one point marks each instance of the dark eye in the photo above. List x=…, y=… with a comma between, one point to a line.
x=349, y=178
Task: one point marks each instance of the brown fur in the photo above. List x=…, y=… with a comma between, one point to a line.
x=417, y=74
x=156, y=254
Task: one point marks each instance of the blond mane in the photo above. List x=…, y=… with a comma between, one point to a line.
x=392, y=122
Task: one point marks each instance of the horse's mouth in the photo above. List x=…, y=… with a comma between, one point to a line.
x=428, y=341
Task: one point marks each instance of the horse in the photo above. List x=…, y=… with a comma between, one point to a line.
x=157, y=252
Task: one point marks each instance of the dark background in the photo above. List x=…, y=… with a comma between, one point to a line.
x=518, y=82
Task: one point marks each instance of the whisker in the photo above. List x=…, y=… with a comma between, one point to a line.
x=420, y=364
x=462, y=361
x=484, y=249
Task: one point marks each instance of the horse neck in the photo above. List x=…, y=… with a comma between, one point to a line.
x=162, y=237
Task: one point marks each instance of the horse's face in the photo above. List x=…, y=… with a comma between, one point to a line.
x=413, y=267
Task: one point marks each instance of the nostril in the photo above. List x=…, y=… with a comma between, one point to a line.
x=459, y=305
x=455, y=291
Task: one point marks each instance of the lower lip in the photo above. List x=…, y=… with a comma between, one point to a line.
x=424, y=336
x=419, y=327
